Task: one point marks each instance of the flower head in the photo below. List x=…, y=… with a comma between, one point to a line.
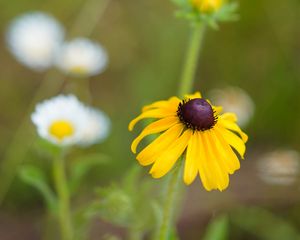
x=280, y=167
x=34, y=39
x=207, y=6
x=82, y=57
x=64, y=120
x=195, y=127
x=236, y=100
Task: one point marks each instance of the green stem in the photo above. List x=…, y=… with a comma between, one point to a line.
x=191, y=60
x=186, y=85
x=64, y=211
x=169, y=204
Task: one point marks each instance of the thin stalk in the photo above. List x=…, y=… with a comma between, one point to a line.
x=169, y=204
x=83, y=90
x=88, y=17
x=191, y=61
x=64, y=210
x=186, y=86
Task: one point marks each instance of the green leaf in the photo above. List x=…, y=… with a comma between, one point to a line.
x=173, y=234
x=218, y=229
x=36, y=178
x=46, y=148
x=264, y=224
x=82, y=166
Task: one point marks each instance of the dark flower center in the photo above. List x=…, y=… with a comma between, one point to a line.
x=196, y=114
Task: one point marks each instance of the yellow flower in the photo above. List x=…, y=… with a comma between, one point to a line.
x=194, y=127
x=206, y=6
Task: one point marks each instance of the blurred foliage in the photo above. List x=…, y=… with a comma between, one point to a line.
x=132, y=204
x=263, y=224
x=35, y=177
x=218, y=229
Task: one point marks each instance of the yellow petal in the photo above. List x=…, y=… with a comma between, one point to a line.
x=165, y=161
x=156, y=113
x=217, y=109
x=225, y=148
x=170, y=103
x=149, y=154
x=229, y=162
x=206, y=176
x=233, y=140
x=192, y=96
x=206, y=171
x=221, y=180
x=234, y=127
x=191, y=164
x=228, y=116
x=155, y=127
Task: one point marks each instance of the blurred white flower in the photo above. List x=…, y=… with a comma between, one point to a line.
x=97, y=128
x=82, y=57
x=60, y=120
x=236, y=100
x=279, y=167
x=64, y=120
x=34, y=39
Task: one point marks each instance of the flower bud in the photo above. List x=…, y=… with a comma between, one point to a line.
x=207, y=6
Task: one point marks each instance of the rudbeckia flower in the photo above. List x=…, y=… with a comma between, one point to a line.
x=207, y=5
x=82, y=57
x=192, y=127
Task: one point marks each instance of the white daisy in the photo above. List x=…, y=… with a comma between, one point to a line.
x=97, y=127
x=279, y=167
x=60, y=120
x=34, y=39
x=236, y=100
x=82, y=57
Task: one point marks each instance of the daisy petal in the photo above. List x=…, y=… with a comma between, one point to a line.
x=156, y=113
x=233, y=140
x=155, y=127
x=191, y=166
x=166, y=160
x=149, y=154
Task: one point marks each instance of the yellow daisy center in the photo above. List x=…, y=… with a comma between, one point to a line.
x=61, y=129
x=81, y=70
x=207, y=5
